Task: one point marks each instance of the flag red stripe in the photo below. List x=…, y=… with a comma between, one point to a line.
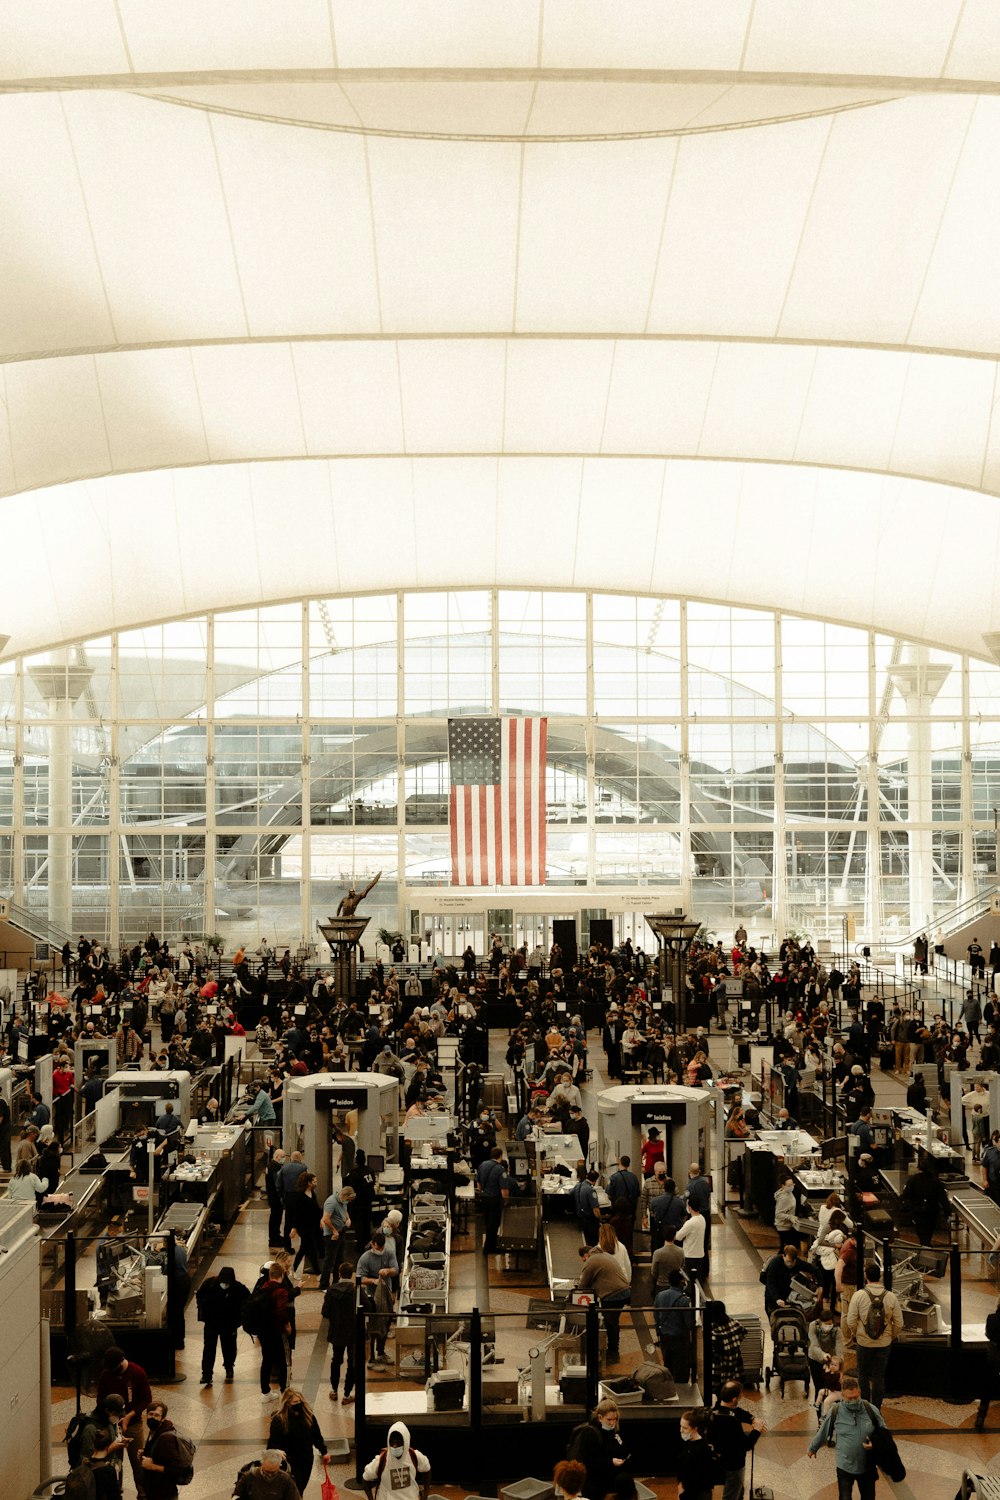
x=523, y=783
x=543, y=740
x=508, y=874
x=456, y=874
x=467, y=820
x=484, y=853
x=498, y=833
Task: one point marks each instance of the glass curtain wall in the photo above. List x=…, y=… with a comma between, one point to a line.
x=234, y=772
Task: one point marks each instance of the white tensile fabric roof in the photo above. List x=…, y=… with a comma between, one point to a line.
x=666, y=296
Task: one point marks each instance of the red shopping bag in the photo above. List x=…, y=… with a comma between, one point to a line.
x=328, y=1490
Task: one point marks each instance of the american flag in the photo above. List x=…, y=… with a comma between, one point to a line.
x=496, y=809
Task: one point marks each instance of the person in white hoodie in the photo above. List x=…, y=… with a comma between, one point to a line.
x=398, y=1472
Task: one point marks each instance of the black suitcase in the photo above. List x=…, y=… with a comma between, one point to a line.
x=887, y=1059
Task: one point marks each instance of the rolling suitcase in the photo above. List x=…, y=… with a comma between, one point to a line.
x=760, y=1491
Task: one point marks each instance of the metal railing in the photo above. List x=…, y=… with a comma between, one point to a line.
x=35, y=925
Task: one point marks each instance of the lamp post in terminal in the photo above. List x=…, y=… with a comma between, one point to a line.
x=674, y=935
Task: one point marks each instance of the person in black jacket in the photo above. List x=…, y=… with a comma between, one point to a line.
x=304, y=1215
x=221, y=1300
x=992, y=1367
x=340, y=1311
x=778, y=1276
x=599, y=1446
x=295, y=1432
x=362, y=1179
x=697, y=1462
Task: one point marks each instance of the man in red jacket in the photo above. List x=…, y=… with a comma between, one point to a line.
x=120, y=1377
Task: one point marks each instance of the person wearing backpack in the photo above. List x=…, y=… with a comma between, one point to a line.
x=164, y=1464
x=874, y=1320
x=851, y=1423
x=399, y=1471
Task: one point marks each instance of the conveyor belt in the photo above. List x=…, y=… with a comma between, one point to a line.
x=976, y=1210
x=562, y=1257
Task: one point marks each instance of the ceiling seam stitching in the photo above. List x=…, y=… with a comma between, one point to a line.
x=579, y=518
x=89, y=221
x=229, y=223
x=708, y=402
x=10, y=431
x=470, y=454
x=124, y=36
x=607, y=397
x=413, y=517
x=903, y=84
x=332, y=127
x=953, y=39
x=805, y=402
x=201, y=408
x=526, y=336
x=654, y=550
x=298, y=398
x=402, y=408
x=376, y=270
x=941, y=218
x=663, y=230
x=104, y=418
x=371, y=220
x=333, y=521
x=333, y=32
x=503, y=416
x=989, y=425
x=746, y=35
x=804, y=226
x=689, y=127
x=517, y=238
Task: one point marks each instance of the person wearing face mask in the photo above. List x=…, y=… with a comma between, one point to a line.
x=599, y=1446
x=398, y=1472
x=697, y=1463
x=161, y=1457
x=221, y=1300
x=826, y=1343
x=851, y=1423
x=295, y=1432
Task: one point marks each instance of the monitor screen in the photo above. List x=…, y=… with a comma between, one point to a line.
x=835, y=1146
x=136, y=1112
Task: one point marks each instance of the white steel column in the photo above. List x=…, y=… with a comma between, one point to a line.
x=918, y=681
x=208, y=915
x=779, y=886
x=684, y=769
x=308, y=930
x=60, y=684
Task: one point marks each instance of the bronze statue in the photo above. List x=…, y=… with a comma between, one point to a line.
x=350, y=903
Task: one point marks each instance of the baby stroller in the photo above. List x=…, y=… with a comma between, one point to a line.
x=791, y=1343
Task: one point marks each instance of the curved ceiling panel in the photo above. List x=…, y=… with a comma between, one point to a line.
x=544, y=109
x=917, y=415
x=937, y=40
x=129, y=222
x=863, y=549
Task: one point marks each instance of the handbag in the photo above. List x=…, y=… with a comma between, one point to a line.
x=328, y=1490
